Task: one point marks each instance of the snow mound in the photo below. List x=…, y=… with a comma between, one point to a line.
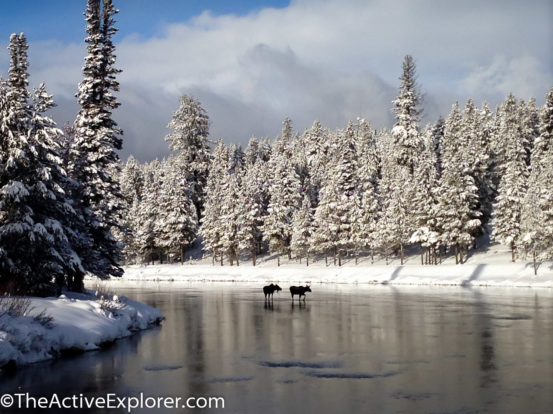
x=70, y=323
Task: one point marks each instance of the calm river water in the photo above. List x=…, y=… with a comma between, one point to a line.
x=348, y=350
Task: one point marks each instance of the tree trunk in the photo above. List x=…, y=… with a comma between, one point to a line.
x=535, y=267
x=254, y=256
x=402, y=253
x=340, y=258
x=182, y=255
x=237, y=260
x=222, y=258
x=422, y=255
x=326, y=259
x=456, y=254
x=335, y=255
x=512, y=252
x=278, y=260
x=307, y=259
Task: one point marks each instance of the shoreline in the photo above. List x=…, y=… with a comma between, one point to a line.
x=469, y=274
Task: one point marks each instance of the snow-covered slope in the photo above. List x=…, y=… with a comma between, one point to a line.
x=70, y=323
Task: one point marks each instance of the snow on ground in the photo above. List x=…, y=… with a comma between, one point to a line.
x=69, y=323
x=489, y=266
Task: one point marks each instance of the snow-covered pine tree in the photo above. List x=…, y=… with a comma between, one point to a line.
x=301, y=230
x=317, y=142
x=338, y=209
x=487, y=191
x=189, y=140
x=231, y=208
x=458, y=217
x=537, y=211
x=131, y=181
x=178, y=220
x=252, y=201
x=284, y=190
x=37, y=223
x=529, y=125
x=146, y=231
x=405, y=132
x=512, y=186
x=211, y=222
x=368, y=168
x=94, y=159
x=395, y=224
x=477, y=155
x=425, y=199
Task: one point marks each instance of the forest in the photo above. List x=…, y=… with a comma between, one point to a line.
x=350, y=192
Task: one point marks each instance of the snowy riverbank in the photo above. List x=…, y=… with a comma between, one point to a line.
x=490, y=266
x=45, y=328
x=482, y=274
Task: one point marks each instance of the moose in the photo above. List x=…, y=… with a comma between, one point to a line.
x=270, y=290
x=300, y=291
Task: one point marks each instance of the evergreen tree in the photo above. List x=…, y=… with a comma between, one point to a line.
x=131, y=180
x=178, y=221
x=335, y=216
x=487, y=191
x=395, y=225
x=458, y=217
x=211, y=229
x=301, y=230
x=365, y=223
x=189, y=139
x=425, y=200
x=94, y=160
x=252, y=198
x=146, y=230
x=230, y=206
x=512, y=187
x=405, y=132
x=317, y=148
x=537, y=211
x=284, y=190
x=476, y=153
x=38, y=226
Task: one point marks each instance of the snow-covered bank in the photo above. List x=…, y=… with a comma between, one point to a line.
x=474, y=274
x=69, y=323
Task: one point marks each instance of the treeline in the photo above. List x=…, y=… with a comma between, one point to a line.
x=351, y=191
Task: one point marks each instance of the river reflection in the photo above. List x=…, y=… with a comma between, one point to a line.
x=376, y=349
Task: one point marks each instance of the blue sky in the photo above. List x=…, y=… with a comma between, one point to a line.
x=62, y=20
x=253, y=63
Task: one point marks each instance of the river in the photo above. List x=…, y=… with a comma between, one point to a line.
x=347, y=349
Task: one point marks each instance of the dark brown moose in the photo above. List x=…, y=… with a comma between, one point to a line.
x=270, y=290
x=300, y=291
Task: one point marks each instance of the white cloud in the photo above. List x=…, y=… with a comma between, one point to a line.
x=331, y=60
x=524, y=76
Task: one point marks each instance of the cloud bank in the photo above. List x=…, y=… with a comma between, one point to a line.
x=331, y=60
